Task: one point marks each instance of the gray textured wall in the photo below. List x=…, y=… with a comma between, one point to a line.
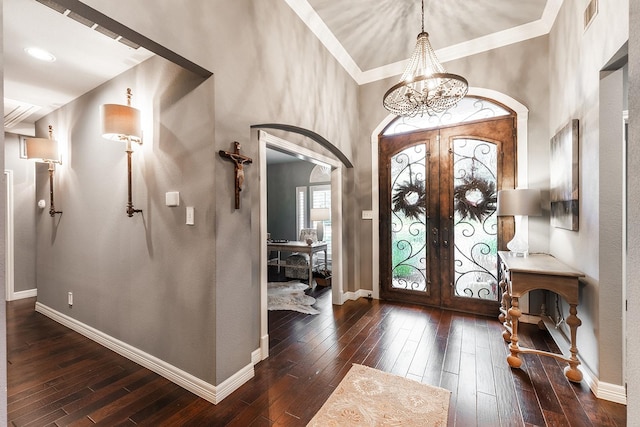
x=193, y=293
x=577, y=56
x=282, y=180
x=145, y=280
x=25, y=209
x=611, y=169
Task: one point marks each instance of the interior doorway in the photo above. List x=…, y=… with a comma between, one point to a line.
x=266, y=140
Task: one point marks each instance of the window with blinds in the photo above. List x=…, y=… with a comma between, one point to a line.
x=320, y=197
x=301, y=209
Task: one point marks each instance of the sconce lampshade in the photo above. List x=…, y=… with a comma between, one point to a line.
x=45, y=149
x=120, y=122
x=42, y=148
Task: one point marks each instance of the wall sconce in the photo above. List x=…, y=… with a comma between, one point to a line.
x=518, y=203
x=45, y=150
x=320, y=215
x=122, y=123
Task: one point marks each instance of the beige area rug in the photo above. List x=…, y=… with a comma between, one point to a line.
x=369, y=397
x=290, y=296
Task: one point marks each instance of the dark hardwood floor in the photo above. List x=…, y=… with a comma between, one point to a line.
x=58, y=377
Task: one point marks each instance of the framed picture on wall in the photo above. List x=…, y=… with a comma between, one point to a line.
x=23, y=147
x=564, y=177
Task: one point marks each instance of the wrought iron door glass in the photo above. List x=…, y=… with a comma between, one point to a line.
x=475, y=222
x=409, y=219
x=469, y=109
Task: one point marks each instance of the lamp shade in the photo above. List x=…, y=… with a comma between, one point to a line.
x=120, y=122
x=521, y=201
x=42, y=148
x=319, y=214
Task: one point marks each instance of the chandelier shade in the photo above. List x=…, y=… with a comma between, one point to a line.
x=425, y=86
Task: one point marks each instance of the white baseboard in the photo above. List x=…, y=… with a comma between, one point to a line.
x=256, y=356
x=203, y=389
x=29, y=293
x=231, y=384
x=360, y=293
x=264, y=347
x=611, y=392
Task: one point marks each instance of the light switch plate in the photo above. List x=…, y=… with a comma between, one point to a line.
x=367, y=214
x=172, y=198
x=191, y=220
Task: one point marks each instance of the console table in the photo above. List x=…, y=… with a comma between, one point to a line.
x=302, y=247
x=520, y=275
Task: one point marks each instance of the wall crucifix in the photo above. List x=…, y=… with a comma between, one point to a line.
x=239, y=161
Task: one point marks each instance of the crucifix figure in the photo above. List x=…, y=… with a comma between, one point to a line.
x=239, y=161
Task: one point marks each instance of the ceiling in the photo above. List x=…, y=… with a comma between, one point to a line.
x=87, y=58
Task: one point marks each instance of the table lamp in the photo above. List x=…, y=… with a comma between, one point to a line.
x=518, y=203
x=320, y=215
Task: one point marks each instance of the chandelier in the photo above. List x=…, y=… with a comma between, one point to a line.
x=425, y=86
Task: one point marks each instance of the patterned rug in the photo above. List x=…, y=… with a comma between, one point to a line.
x=289, y=296
x=369, y=397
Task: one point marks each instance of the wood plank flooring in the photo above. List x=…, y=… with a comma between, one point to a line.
x=57, y=377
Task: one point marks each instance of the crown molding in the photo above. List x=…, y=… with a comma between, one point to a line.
x=461, y=50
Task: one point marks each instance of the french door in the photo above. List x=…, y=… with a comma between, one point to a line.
x=439, y=234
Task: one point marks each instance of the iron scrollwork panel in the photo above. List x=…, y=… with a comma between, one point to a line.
x=409, y=217
x=475, y=222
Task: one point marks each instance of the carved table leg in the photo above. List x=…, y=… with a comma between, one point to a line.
x=504, y=317
x=515, y=313
x=572, y=372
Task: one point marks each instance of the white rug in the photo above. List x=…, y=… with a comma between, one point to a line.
x=290, y=296
x=368, y=397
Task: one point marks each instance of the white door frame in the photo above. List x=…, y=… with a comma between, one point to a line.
x=337, y=294
x=625, y=142
x=9, y=239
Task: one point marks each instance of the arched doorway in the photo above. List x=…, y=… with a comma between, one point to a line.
x=265, y=140
x=438, y=180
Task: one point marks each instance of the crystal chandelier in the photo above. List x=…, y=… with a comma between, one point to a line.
x=425, y=86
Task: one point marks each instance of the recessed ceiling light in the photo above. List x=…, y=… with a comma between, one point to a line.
x=40, y=54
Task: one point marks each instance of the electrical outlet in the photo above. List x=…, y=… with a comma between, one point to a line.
x=70, y=298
